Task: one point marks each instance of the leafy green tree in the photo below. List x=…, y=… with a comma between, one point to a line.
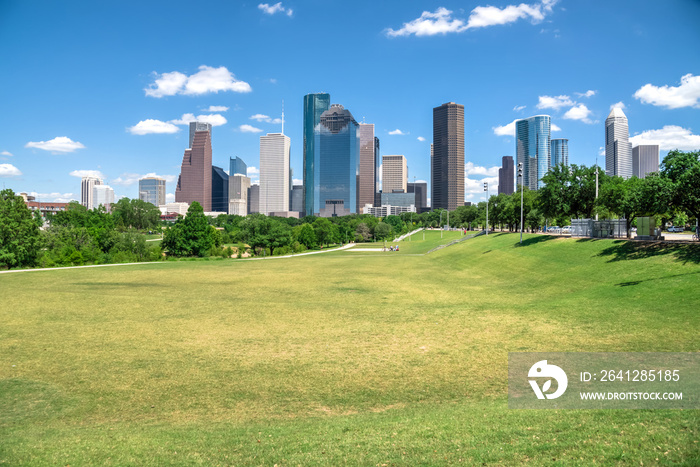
x=395, y=223
x=19, y=232
x=362, y=232
x=136, y=214
x=191, y=236
x=305, y=235
x=569, y=191
x=683, y=170
x=382, y=231
x=325, y=233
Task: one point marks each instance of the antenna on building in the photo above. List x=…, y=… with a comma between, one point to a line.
x=282, y=116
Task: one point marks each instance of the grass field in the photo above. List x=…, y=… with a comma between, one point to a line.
x=339, y=358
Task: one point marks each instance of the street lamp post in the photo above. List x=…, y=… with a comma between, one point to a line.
x=520, y=177
x=486, y=189
x=440, y=224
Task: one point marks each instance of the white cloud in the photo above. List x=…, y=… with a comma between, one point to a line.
x=476, y=187
x=53, y=197
x=579, y=112
x=672, y=97
x=169, y=197
x=441, y=20
x=128, y=179
x=276, y=8
x=505, y=130
x=588, y=93
x=554, y=102
x=6, y=153
x=399, y=132
x=265, y=118
x=253, y=173
x=618, y=105
x=249, y=129
x=669, y=137
x=87, y=173
x=421, y=181
x=555, y=127
x=471, y=169
x=272, y=80
x=518, y=108
x=213, y=119
x=297, y=181
x=217, y=108
x=9, y=170
x=601, y=151
x=60, y=144
x=420, y=138
x=151, y=126
x=206, y=80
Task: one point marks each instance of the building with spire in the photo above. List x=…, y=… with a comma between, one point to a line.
x=618, y=150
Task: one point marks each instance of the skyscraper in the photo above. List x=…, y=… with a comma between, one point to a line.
x=618, y=150
x=394, y=174
x=420, y=189
x=237, y=166
x=152, y=190
x=506, y=176
x=367, y=180
x=254, y=199
x=274, y=173
x=297, y=198
x=532, y=148
x=645, y=159
x=559, y=151
x=377, y=168
x=337, y=144
x=238, y=186
x=103, y=195
x=314, y=106
x=194, y=183
x=198, y=126
x=219, y=190
x=447, y=161
x=86, y=193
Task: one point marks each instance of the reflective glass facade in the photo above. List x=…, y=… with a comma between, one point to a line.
x=560, y=151
x=532, y=148
x=219, y=190
x=314, y=106
x=152, y=190
x=237, y=166
x=337, y=167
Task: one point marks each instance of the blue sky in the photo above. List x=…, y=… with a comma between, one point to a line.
x=108, y=86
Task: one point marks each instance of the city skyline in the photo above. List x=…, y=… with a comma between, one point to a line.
x=101, y=117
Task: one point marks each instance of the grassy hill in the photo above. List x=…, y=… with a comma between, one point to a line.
x=339, y=358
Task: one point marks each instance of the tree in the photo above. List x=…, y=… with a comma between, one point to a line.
x=324, y=231
x=136, y=214
x=362, y=232
x=191, y=236
x=305, y=235
x=382, y=231
x=569, y=191
x=19, y=232
x=395, y=223
x=683, y=170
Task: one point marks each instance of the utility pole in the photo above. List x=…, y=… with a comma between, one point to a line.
x=486, y=189
x=520, y=176
x=596, y=183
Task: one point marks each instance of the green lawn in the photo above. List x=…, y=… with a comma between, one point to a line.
x=339, y=358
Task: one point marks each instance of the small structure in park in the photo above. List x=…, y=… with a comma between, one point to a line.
x=646, y=229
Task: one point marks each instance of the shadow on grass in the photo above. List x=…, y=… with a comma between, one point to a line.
x=535, y=240
x=623, y=250
x=630, y=283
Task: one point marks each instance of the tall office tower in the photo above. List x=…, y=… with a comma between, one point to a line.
x=238, y=186
x=337, y=144
x=237, y=166
x=645, y=159
x=198, y=126
x=447, y=162
x=86, y=186
x=532, y=149
x=254, y=199
x=559, y=151
x=194, y=183
x=297, y=198
x=103, y=195
x=314, y=106
x=274, y=173
x=420, y=189
x=377, y=167
x=152, y=190
x=506, y=176
x=368, y=179
x=219, y=190
x=394, y=174
x=618, y=150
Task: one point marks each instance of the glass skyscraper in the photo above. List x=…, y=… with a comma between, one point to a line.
x=219, y=190
x=314, y=106
x=559, y=151
x=152, y=190
x=532, y=149
x=237, y=166
x=337, y=165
